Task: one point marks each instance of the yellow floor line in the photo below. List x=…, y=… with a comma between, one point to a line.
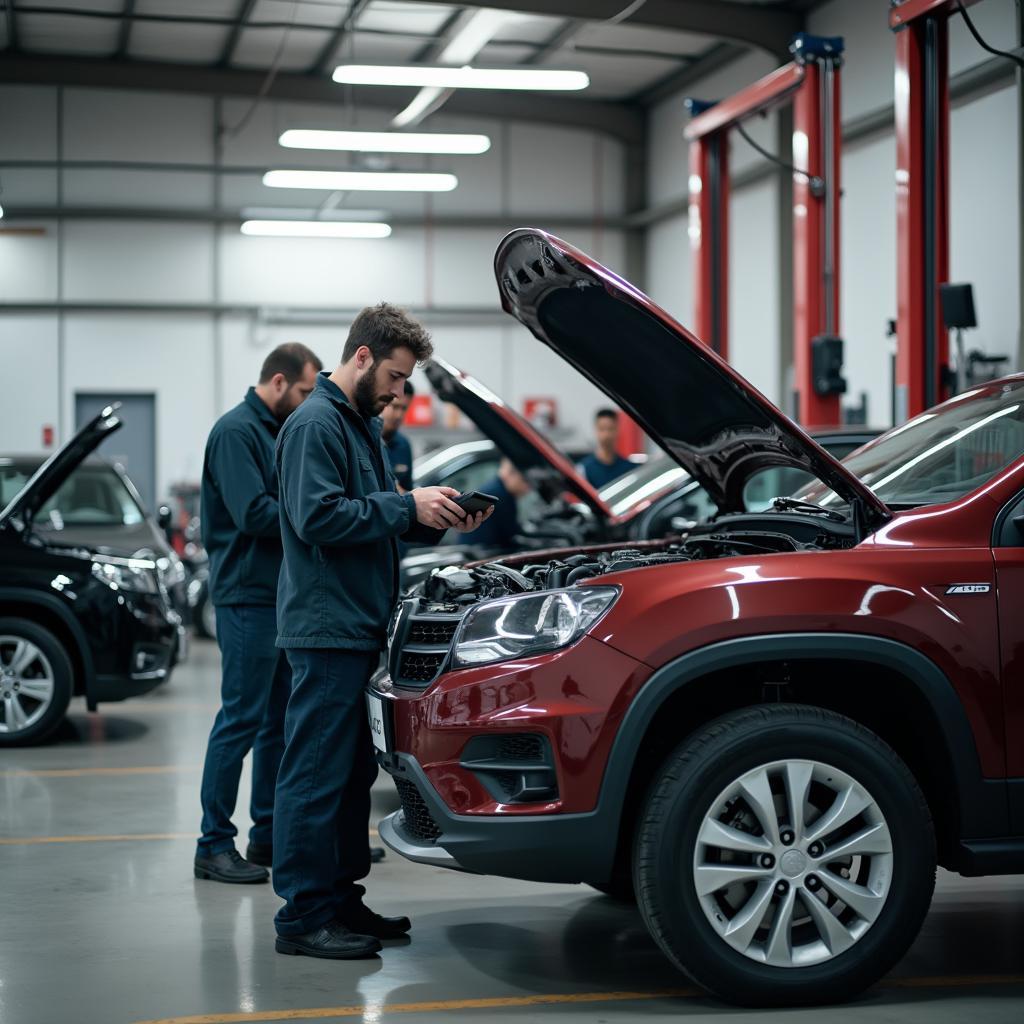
x=448, y=1005
x=70, y=773
x=143, y=837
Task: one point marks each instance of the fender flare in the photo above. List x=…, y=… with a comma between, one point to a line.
x=982, y=806
x=54, y=605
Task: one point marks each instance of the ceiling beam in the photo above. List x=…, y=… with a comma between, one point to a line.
x=716, y=57
x=561, y=38
x=124, y=33
x=756, y=25
x=429, y=52
x=236, y=32
x=623, y=121
x=12, y=26
x=334, y=40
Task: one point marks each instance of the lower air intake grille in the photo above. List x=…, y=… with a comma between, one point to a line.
x=419, y=668
x=419, y=822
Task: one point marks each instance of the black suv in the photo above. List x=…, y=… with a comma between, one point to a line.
x=74, y=619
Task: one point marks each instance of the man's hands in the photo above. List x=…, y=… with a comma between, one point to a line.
x=435, y=508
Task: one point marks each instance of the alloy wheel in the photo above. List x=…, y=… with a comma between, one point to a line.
x=793, y=863
x=26, y=684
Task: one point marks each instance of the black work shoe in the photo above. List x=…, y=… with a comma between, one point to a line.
x=260, y=853
x=331, y=942
x=229, y=867
x=376, y=854
x=362, y=919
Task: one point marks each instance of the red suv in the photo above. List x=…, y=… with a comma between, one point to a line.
x=770, y=728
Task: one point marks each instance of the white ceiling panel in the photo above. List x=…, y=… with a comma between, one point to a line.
x=185, y=44
x=636, y=37
x=258, y=47
x=374, y=48
x=67, y=34
x=529, y=28
x=392, y=16
x=78, y=5
x=189, y=8
x=614, y=77
x=328, y=13
x=504, y=54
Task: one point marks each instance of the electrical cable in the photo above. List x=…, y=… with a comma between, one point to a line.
x=981, y=42
x=626, y=12
x=816, y=183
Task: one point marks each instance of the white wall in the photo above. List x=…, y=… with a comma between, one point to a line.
x=197, y=368
x=983, y=204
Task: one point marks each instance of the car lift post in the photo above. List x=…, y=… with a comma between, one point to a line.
x=922, y=200
x=811, y=83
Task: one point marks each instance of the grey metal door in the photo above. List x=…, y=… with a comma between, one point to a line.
x=134, y=445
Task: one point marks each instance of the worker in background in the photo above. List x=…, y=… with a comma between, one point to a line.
x=341, y=518
x=605, y=464
x=395, y=442
x=241, y=530
x=502, y=528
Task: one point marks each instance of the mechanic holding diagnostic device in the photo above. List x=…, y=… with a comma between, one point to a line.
x=341, y=518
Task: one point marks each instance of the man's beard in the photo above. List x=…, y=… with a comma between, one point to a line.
x=283, y=407
x=368, y=402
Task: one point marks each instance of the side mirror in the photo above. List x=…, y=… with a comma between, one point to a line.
x=164, y=517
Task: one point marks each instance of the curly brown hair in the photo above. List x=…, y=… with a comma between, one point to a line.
x=382, y=329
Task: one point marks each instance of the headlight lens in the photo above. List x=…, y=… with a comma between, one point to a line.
x=517, y=627
x=133, y=574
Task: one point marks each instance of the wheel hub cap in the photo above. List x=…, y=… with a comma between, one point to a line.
x=26, y=684
x=793, y=863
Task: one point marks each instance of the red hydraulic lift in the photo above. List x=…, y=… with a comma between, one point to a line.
x=922, y=200
x=811, y=84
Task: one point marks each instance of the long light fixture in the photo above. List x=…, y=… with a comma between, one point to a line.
x=538, y=79
x=385, y=142
x=316, y=228
x=366, y=181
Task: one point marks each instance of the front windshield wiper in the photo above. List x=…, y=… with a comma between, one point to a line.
x=784, y=504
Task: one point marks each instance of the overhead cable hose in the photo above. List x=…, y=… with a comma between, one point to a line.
x=981, y=42
x=816, y=183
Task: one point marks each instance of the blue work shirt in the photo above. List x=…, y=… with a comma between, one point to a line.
x=239, y=518
x=341, y=518
x=501, y=529
x=400, y=456
x=599, y=473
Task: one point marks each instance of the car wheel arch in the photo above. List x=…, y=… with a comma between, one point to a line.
x=48, y=612
x=964, y=804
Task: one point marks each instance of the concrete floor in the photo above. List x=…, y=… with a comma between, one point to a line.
x=101, y=921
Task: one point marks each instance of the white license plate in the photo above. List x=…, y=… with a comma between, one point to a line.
x=375, y=710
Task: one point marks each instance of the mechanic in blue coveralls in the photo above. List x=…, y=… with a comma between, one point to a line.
x=341, y=519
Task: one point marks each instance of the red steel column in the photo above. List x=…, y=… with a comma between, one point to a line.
x=922, y=212
x=709, y=239
x=815, y=235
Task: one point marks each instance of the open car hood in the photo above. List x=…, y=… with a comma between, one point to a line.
x=45, y=481
x=712, y=421
x=513, y=435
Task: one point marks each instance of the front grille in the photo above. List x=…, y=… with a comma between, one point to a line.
x=418, y=645
x=417, y=819
x=427, y=631
x=419, y=668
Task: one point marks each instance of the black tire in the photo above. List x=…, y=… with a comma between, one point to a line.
x=63, y=681
x=685, y=792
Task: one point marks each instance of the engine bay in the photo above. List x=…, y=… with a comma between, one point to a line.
x=454, y=587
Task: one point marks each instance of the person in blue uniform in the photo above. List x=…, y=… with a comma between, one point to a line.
x=241, y=530
x=341, y=519
x=605, y=464
x=501, y=529
x=395, y=442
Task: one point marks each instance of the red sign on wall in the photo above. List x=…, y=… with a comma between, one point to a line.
x=541, y=412
x=421, y=411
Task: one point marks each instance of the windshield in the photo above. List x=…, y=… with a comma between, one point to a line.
x=91, y=496
x=644, y=483
x=941, y=455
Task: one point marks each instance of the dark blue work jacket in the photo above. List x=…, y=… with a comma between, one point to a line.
x=239, y=518
x=341, y=518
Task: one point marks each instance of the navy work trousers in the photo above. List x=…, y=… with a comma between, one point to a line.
x=255, y=683
x=321, y=841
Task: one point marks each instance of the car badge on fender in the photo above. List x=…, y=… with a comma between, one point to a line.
x=968, y=588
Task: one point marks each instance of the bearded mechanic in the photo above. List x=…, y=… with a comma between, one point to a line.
x=341, y=519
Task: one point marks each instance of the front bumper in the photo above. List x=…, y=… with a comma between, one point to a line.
x=538, y=848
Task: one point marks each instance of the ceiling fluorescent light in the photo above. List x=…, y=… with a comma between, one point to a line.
x=385, y=142
x=369, y=181
x=316, y=229
x=537, y=79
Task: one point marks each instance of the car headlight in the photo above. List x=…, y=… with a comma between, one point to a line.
x=133, y=574
x=517, y=627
